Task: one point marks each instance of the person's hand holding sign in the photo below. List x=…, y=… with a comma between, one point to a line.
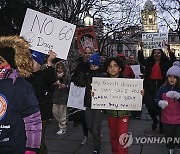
x=141, y=46
x=52, y=56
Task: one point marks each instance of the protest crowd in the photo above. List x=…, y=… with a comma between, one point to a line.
x=36, y=87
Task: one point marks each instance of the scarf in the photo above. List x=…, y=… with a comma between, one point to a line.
x=8, y=73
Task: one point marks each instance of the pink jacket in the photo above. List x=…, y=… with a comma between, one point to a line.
x=171, y=114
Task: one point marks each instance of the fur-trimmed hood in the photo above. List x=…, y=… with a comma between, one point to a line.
x=23, y=58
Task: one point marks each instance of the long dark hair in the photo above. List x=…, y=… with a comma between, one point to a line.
x=163, y=55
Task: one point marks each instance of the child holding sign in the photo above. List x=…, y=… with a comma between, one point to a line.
x=168, y=98
x=118, y=120
x=94, y=117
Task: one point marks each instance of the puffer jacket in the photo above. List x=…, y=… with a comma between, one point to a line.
x=171, y=114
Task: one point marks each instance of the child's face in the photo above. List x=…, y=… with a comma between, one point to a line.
x=172, y=80
x=3, y=62
x=60, y=69
x=94, y=67
x=113, y=69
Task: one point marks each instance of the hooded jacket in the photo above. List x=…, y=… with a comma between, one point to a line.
x=20, y=120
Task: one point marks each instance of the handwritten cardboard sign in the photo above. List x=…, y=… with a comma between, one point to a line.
x=46, y=33
x=76, y=97
x=117, y=93
x=154, y=40
x=86, y=37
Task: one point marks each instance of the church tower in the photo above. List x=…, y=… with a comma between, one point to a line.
x=149, y=17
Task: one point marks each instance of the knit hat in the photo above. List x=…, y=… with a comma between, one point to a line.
x=8, y=54
x=15, y=50
x=174, y=70
x=95, y=59
x=38, y=57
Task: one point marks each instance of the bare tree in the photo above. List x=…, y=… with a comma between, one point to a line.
x=110, y=16
x=115, y=15
x=169, y=14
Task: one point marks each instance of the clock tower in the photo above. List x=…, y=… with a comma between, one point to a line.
x=149, y=17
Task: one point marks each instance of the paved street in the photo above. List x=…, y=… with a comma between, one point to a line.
x=69, y=143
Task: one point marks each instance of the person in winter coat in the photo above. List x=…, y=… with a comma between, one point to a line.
x=42, y=81
x=60, y=95
x=127, y=72
x=117, y=119
x=94, y=117
x=20, y=119
x=78, y=78
x=156, y=67
x=133, y=61
x=168, y=99
x=138, y=75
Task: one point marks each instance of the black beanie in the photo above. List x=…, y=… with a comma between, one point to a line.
x=8, y=54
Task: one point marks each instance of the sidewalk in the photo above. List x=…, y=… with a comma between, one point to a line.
x=69, y=143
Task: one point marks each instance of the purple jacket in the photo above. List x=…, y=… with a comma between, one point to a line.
x=171, y=114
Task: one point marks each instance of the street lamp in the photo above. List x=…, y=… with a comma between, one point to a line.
x=88, y=20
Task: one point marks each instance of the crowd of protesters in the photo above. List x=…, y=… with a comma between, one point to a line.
x=40, y=92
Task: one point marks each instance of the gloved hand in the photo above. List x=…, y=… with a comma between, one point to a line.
x=173, y=94
x=176, y=95
x=29, y=152
x=163, y=104
x=170, y=94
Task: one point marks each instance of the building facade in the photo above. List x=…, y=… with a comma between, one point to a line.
x=131, y=36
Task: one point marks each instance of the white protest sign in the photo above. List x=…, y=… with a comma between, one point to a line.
x=46, y=33
x=136, y=70
x=117, y=94
x=76, y=97
x=154, y=40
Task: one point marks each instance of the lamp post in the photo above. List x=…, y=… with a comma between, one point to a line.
x=88, y=20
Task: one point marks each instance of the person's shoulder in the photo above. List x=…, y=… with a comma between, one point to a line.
x=150, y=58
x=102, y=72
x=23, y=83
x=165, y=88
x=177, y=88
x=80, y=59
x=21, y=80
x=121, y=76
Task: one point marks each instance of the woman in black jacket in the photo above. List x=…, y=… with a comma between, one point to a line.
x=156, y=67
x=78, y=78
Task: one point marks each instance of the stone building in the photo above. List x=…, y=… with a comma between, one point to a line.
x=149, y=17
x=130, y=37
